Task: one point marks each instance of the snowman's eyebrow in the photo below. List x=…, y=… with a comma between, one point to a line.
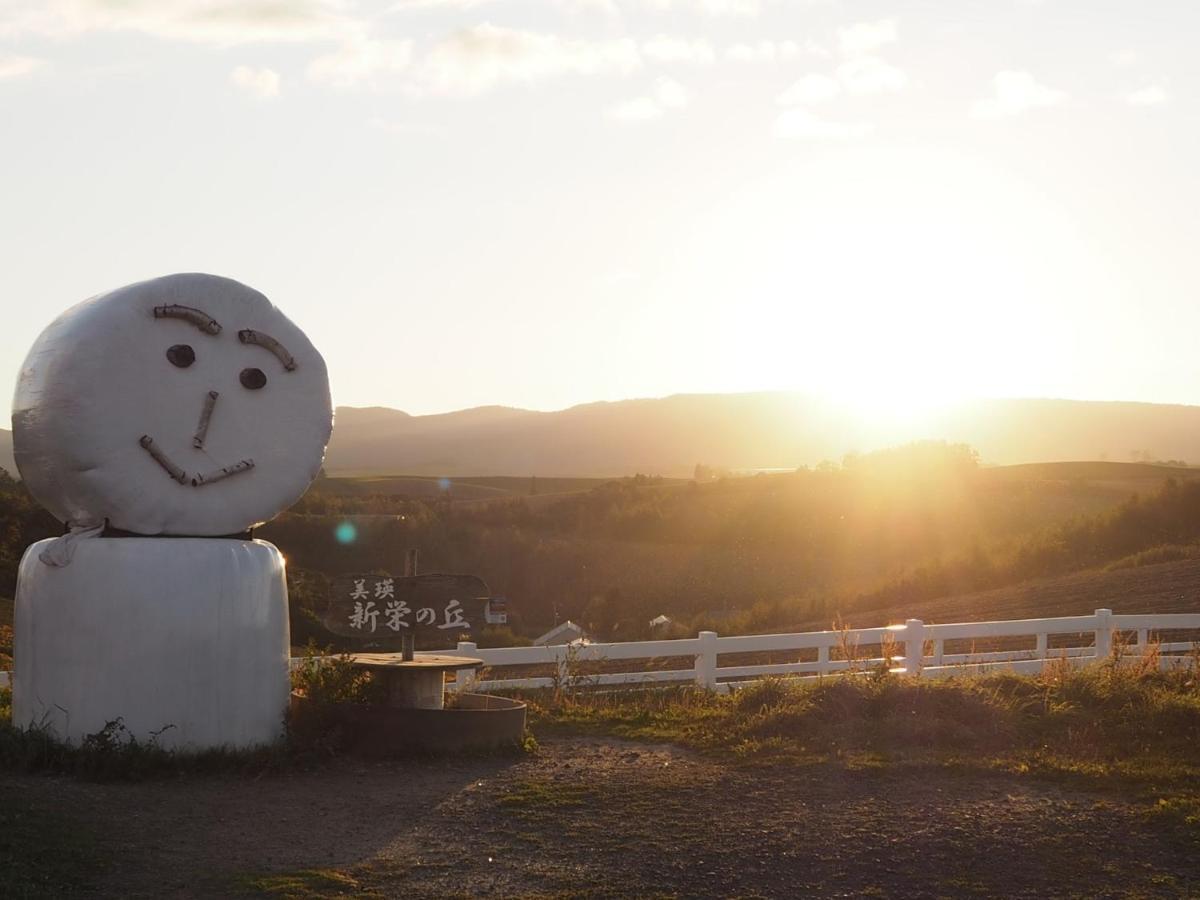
x=197, y=317
x=260, y=339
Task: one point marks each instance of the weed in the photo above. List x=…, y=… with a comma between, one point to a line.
x=324, y=677
x=847, y=644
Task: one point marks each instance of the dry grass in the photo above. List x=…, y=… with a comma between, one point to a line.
x=1123, y=721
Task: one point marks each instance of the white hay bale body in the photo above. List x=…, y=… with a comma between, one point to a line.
x=190, y=633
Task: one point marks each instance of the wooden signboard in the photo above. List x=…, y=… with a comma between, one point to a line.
x=384, y=606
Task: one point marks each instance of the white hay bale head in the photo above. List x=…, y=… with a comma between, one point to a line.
x=187, y=405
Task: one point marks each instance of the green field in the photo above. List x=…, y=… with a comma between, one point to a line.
x=462, y=489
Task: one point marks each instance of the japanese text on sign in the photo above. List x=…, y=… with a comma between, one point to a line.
x=381, y=606
x=396, y=613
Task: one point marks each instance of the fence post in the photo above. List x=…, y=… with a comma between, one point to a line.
x=464, y=679
x=1103, y=634
x=706, y=661
x=914, y=646
x=1104, y=630
x=562, y=668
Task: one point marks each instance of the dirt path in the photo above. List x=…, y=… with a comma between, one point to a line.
x=608, y=818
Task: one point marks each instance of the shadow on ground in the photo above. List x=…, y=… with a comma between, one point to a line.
x=592, y=817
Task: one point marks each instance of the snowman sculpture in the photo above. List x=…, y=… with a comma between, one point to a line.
x=160, y=423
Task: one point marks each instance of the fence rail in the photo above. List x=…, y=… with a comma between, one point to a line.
x=913, y=648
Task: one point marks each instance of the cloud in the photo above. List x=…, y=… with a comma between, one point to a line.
x=17, y=66
x=668, y=94
x=1151, y=95
x=402, y=6
x=800, y=124
x=1124, y=58
x=708, y=7
x=406, y=128
x=871, y=75
x=667, y=49
x=205, y=21
x=866, y=37
x=639, y=109
x=866, y=75
x=859, y=74
x=474, y=60
x=812, y=88
x=671, y=94
x=407, y=5
x=262, y=83
x=762, y=52
x=1015, y=93
x=361, y=61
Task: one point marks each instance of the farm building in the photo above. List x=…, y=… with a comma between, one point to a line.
x=564, y=633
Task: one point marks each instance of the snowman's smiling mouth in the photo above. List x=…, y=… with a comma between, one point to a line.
x=178, y=474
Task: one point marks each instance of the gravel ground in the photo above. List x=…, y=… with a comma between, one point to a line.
x=591, y=817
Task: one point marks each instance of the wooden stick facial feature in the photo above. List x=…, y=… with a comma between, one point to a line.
x=199, y=318
x=258, y=338
x=210, y=403
x=162, y=459
x=221, y=474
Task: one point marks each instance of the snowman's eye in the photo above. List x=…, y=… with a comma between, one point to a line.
x=253, y=379
x=181, y=355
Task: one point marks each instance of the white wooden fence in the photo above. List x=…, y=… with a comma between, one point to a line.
x=913, y=648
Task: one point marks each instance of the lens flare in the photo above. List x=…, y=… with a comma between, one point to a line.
x=346, y=533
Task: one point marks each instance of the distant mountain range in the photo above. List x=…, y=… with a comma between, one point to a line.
x=669, y=436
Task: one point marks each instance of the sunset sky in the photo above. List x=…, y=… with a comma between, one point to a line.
x=544, y=202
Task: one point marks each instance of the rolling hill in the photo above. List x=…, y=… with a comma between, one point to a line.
x=670, y=435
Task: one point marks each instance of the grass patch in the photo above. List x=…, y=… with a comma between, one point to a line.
x=305, y=884
x=1180, y=811
x=533, y=793
x=1114, y=725
x=113, y=754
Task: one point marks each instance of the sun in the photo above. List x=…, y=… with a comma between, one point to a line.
x=892, y=282
x=894, y=408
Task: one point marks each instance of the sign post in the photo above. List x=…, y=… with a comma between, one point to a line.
x=371, y=607
x=409, y=643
